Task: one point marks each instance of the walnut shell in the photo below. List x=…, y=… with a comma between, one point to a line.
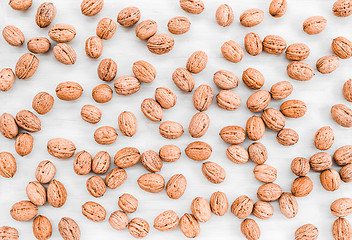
x=94, y=211
x=201, y=209
x=166, y=221
x=128, y=203
x=176, y=186
x=56, y=194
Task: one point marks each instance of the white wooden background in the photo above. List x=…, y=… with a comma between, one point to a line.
x=125, y=48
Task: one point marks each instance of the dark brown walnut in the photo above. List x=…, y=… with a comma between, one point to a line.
x=107, y=69
x=128, y=203
x=278, y=8
x=26, y=66
x=7, y=78
x=62, y=33
x=128, y=16
x=82, y=164
x=101, y=162
x=302, y=186
x=8, y=166
x=144, y=71
x=160, y=43
x=269, y=192
x=127, y=157
x=146, y=29
x=300, y=71
x=8, y=126
x=253, y=78
x=342, y=47
x=253, y=44
x=342, y=115
x=45, y=172
x=138, y=228
x=233, y=134
x=45, y=14
x=273, y=119
x=287, y=137
x=91, y=114
x=225, y=80
x=258, y=153
x=126, y=85
x=115, y=178
x=300, y=166
x=28, y=121
x=274, y=44
x=176, y=186
x=342, y=8
x=69, y=229
x=297, y=52
x=179, y=25
x=198, y=151
x=203, y=97
x=65, y=54
x=258, y=101
x=96, y=186
x=192, y=6
x=91, y=7
x=42, y=103
x=94, y=211
x=293, y=108
x=183, y=79
x=330, y=179
x=151, y=161
x=106, y=28
x=281, y=90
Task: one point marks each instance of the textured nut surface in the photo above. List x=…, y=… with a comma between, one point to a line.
x=265, y=173
x=128, y=16
x=269, y=192
x=82, y=164
x=170, y=130
x=42, y=103
x=138, y=228
x=165, y=97
x=56, y=194
x=176, y=186
x=45, y=14
x=20, y=4
x=342, y=47
x=327, y=64
x=96, y=186
x=341, y=207
x=8, y=126
x=237, y=154
x=28, y=121
x=224, y=15
x=293, y=108
x=347, y=90
x=263, y=210
x=343, y=155
x=9, y=233
x=42, y=228
x=199, y=125
x=64, y=53
x=252, y=17
x=300, y=71
x=330, y=179
x=232, y=51
x=128, y=123
x=126, y=85
x=106, y=28
x=61, y=148
x=281, y=90
x=91, y=7
x=144, y=71
x=233, y=134
x=203, y=97
x=225, y=79
x=146, y=29
x=287, y=137
x=342, y=8
x=300, y=166
x=69, y=229
x=189, y=225
x=62, y=33
x=128, y=203
x=7, y=78
x=152, y=110
x=307, y=232
x=118, y=220
x=242, y=207
x=91, y=114
x=324, y=138
x=342, y=115
x=192, y=6
x=151, y=161
x=250, y=229
x=115, y=178
x=219, y=203
x=253, y=44
x=94, y=211
x=105, y=135
x=151, y=182
x=314, y=25
x=170, y=153
x=94, y=47
x=160, y=43
x=278, y=8
x=107, y=69
x=228, y=100
x=36, y=193
x=274, y=44
x=183, y=79
x=258, y=101
x=69, y=91
x=23, y=211
x=342, y=229
x=127, y=157
x=288, y=205
x=13, y=35
x=197, y=62
x=213, y=172
x=166, y=221
x=297, y=51
x=198, y=151
x=201, y=209
x=301, y=186
x=8, y=166
x=258, y=153
x=26, y=66
x=179, y=25
x=255, y=128
x=253, y=78
x=346, y=173
x=24, y=144
x=45, y=171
